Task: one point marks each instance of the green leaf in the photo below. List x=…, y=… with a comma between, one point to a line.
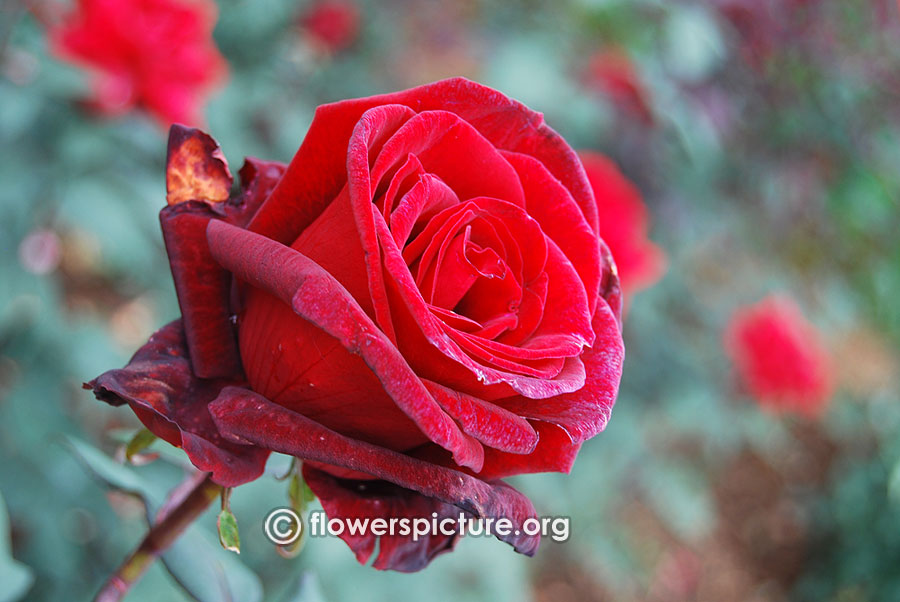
x=299, y=493
x=196, y=562
x=141, y=441
x=112, y=473
x=228, y=531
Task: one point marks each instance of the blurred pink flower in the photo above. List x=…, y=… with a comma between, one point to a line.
x=332, y=25
x=156, y=54
x=624, y=222
x=616, y=76
x=779, y=357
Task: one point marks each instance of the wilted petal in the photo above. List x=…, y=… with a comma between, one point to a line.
x=374, y=499
x=196, y=169
x=172, y=402
x=244, y=416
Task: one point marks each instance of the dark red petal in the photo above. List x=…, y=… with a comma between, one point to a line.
x=402, y=180
x=349, y=500
x=555, y=452
x=585, y=412
x=506, y=123
x=296, y=364
x=610, y=285
x=317, y=297
x=492, y=425
x=195, y=168
x=258, y=179
x=245, y=416
x=204, y=291
x=172, y=402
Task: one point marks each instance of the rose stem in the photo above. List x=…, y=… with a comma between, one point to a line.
x=161, y=536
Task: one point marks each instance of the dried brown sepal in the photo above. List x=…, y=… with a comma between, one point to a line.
x=196, y=169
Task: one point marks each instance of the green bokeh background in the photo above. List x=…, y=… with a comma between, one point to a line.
x=774, y=171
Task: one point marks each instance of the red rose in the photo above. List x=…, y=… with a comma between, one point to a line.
x=423, y=306
x=157, y=54
x=624, y=222
x=332, y=25
x=779, y=357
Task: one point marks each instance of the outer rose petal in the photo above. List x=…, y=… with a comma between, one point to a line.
x=585, y=412
x=555, y=452
x=172, y=402
x=244, y=416
x=349, y=500
x=318, y=298
x=317, y=172
x=204, y=291
x=258, y=178
x=487, y=422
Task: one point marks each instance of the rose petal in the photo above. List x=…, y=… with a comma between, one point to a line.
x=428, y=196
x=373, y=130
x=448, y=147
x=489, y=423
x=203, y=289
x=555, y=452
x=585, y=412
x=316, y=174
x=172, y=402
x=258, y=179
x=296, y=364
x=196, y=169
x=317, y=297
x=368, y=500
x=423, y=339
x=552, y=205
x=244, y=416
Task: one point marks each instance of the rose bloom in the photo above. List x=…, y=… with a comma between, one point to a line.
x=417, y=306
x=156, y=54
x=779, y=357
x=624, y=221
x=332, y=25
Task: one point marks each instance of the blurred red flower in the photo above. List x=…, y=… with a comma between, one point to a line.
x=156, y=54
x=779, y=356
x=332, y=25
x=624, y=222
x=615, y=75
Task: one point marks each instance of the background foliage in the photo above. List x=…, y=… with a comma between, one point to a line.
x=771, y=163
